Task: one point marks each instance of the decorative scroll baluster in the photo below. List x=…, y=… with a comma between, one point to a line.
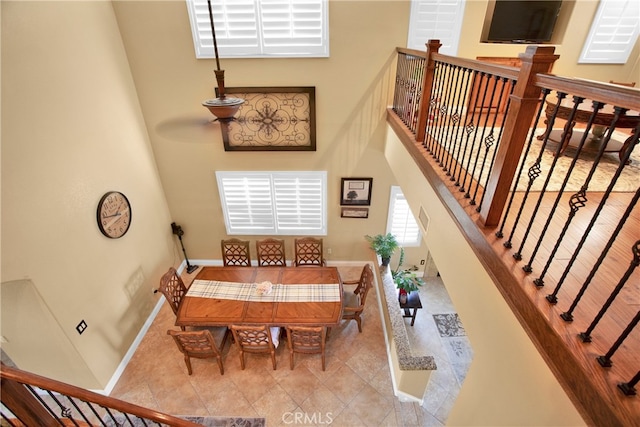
x=473, y=128
x=448, y=144
x=482, y=138
x=552, y=298
x=576, y=202
x=586, y=335
x=623, y=161
x=490, y=140
x=605, y=360
x=460, y=125
x=534, y=172
x=454, y=120
x=431, y=124
x=629, y=388
x=500, y=232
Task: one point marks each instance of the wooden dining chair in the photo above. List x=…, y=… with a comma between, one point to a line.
x=308, y=340
x=254, y=339
x=173, y=289
x=236, y=252
x=199, y=344
x=270, y=252
x=308, y=252
x=353, y=302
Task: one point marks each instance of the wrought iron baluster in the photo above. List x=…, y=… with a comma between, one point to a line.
x=460, y=123
x=586, y=335
x=484, y=82
x=481, y=140
x=446, y=141
x=500, y=232
x=534, y=172
x=629, y=388
x=568, y=315
x=490, y=142
x=605, y=360
x=605, y=196
x=454, y=120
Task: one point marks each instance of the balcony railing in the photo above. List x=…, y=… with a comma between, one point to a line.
x=529, y=156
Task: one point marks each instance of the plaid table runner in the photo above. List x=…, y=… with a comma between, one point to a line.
x=329, y=292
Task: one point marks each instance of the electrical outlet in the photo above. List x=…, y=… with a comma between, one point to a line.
x=81, y=327
x=329, y=251
x=421, y=262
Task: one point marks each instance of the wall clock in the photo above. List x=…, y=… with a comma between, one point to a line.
x=114, y=214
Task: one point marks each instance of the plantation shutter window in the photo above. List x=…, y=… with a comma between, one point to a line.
x=435, y=19
x=273, y=203
x=400, y=221
x=261, y=28
x=613, y=33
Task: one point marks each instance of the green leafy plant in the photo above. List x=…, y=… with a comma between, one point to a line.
x=406, y=279
x=384, y=245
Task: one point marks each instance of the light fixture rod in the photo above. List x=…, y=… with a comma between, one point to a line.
x=213, y=33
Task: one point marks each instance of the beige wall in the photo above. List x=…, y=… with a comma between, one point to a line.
x=508, y=383
x=72, y=129
x=352, y=92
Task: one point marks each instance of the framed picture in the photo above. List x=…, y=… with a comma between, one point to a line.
x=356, y=191
x=272, y=119
x=355, y=212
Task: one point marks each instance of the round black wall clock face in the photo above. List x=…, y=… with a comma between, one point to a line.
x=114, y=214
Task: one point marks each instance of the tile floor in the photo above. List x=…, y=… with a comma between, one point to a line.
x=355, y=389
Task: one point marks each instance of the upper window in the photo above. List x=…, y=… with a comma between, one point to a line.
x=400, y=221
x=274, y=203
x=613, y=33
x=261, y=28
x=435, y=19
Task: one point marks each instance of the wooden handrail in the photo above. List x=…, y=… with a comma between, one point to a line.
x=27, y=408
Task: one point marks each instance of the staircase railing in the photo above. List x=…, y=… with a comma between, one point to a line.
x=34, y=401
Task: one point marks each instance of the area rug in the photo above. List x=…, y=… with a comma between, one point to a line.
x=449, y=325
x=628, y=181
x=204, y=421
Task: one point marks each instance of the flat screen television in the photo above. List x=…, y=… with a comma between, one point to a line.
x=522, y=21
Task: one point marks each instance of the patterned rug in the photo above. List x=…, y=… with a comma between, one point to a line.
x=628, y=181
x=449, y=325
x=204, y=421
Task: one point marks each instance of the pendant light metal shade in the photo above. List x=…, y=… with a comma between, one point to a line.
x=222, y=107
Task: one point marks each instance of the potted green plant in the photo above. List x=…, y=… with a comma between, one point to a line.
x=384, y=245
x=405, y=279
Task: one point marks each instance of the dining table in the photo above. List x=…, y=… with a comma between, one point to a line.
x=272, y=296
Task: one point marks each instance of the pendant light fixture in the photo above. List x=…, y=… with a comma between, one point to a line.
x=222, y=107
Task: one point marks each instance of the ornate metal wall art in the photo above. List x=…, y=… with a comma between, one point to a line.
x=272, y=119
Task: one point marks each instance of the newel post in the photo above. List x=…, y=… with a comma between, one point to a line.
x=523, y=106
x=433, y=46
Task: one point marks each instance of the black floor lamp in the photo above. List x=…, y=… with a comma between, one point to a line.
x=177, y=230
